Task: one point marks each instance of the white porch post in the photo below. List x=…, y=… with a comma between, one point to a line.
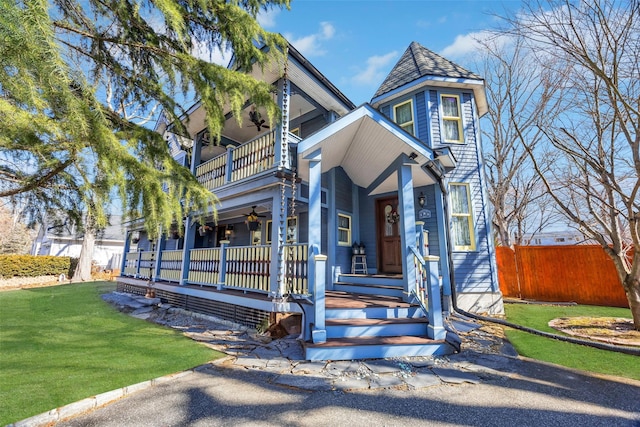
x=407, y=226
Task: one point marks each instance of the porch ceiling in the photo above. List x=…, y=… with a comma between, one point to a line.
x=365, y=144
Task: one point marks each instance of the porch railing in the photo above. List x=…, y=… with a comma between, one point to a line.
x=245, y=267
x=131, y=263
x=249, y=267
x=296, y=268
x=170, y=266
x=204, y=266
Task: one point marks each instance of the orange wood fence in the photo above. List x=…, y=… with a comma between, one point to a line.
x=583, y=274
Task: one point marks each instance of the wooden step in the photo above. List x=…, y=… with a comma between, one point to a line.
x=361, y=327
x=375, y=348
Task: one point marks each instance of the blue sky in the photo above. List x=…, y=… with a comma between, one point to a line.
x=355, y=43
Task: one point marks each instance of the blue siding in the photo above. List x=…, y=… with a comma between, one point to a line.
x=422, y=129
x=472, y=270
x=368, y=228
x=430, y=224
x=435, y=118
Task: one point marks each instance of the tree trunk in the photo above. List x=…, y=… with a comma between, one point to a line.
x=632, y=289
x=83, y=269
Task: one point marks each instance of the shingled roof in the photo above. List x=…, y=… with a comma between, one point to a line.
x=418, y=61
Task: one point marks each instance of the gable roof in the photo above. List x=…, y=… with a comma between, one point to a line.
x=418, y=61
x=365, y=143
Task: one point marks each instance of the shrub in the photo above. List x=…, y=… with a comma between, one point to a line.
x=33, y=266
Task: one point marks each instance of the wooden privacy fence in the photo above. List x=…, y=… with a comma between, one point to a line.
x=583, y=274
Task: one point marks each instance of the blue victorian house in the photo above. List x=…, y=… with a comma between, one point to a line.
x=367, y=224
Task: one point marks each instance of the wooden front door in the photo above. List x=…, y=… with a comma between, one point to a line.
x=388, y=230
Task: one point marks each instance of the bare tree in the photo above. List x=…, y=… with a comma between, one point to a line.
x=516, y=95
x=590, y=51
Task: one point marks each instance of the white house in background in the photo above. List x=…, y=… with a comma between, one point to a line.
x=555, y=238
x=58, y=238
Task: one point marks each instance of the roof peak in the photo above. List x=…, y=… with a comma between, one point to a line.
x=416, y=62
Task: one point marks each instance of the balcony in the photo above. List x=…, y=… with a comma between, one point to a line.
x=243, y=161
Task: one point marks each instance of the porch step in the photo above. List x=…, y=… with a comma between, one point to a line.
x=345, y=305
x=375, y=348
x=362, y=327
x=371, y=288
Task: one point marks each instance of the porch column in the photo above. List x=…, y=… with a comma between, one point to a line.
x=407, y=226
x=435, y=328
x=315, y=199
x=189, y=242
x=278, y=216
x=222, y=276
x=158, y=257
x=127, y=248
x=443, y=245
x=319, y=332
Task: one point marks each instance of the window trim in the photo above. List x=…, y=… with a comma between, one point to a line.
x=413, y=119
x=468, y=215
x=269, y=230
x=348, y=230
x=458, y=119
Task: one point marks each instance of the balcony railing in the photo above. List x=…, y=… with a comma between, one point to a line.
x=242, y=161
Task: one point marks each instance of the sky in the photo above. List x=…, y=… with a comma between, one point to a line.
x=356, y=43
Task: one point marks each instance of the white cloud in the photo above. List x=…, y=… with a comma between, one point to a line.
x=203, y=50
x=466, y=45
x=267, y=19
x=311, y=45
x=375, y=70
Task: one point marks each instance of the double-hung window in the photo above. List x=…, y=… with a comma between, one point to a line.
x=344, y=230
x=403, y=114
x=451, y=118
x=461, y=217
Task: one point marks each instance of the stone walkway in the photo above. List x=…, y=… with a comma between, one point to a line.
x=483, y=353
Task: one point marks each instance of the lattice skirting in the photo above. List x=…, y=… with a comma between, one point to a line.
x=249, y=317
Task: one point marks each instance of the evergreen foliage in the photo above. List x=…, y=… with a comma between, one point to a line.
x=63, y=146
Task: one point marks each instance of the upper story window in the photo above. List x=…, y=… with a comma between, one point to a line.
x=461, y=217
x=451, y=119
x=403, y=114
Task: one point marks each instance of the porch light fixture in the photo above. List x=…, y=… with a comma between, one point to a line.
x=421, y=199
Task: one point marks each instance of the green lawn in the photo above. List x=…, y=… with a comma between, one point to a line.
x=61, y=344
x=566, y=354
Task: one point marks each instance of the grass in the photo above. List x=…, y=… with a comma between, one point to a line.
x=562, y=353
x=61, y=344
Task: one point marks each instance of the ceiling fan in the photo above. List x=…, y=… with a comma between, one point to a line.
x=257, y=120
x=253, y=215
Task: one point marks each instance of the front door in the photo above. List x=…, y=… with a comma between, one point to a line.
x=388, y=230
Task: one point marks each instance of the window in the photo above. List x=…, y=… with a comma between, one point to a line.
x=291, y=230
x=461, y=218
x=451, y=118
x=403, y=114
x=344, y=230
x=256, y=235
